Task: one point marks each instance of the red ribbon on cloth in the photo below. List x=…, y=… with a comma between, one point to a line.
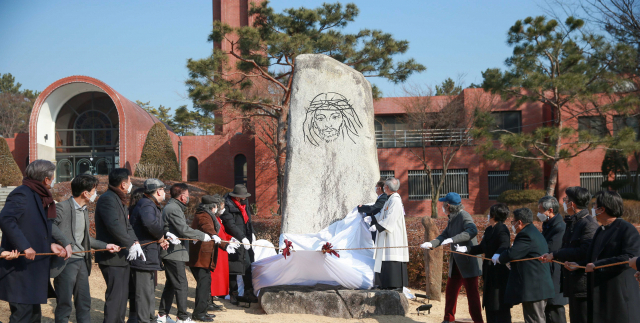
x=328, y=248
x=288, y=245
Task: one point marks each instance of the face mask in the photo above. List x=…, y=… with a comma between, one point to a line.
x=222, y=211
x=187, y=202
x=130, y=187
x=564, y=205
x=513, y=228
x=93, y=197
x=443, y=210
x=543, y=217
x=488, y=217
x=214, y=211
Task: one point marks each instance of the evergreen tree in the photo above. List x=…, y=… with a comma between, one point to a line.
x=158, y=151
x=615, y=163
x=525, y=172
x=266, y=53
x=163, y=114
x=10, y=174
x=15, y=106
x=570, y=72
x=448, y=87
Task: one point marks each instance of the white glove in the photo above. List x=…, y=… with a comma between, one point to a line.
x=216, y=239
x=172, y=238
x=508, y=265
x=426, y=245
x=234, y=243
x=246, y=242
x=207, y=238
x=136, y=252
x=367, y=220
x=461, y=248
x=373, y=228
x=495, y=259
x=446, y=242
x=231, y=249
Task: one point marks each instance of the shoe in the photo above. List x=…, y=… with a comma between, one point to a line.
x=165, y=319
x=248, y=297
x=233, y=298
x=214, y=307
x=210, y=315
x=189, y=320
x=202, y=318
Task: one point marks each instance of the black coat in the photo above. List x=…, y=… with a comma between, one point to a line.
x=112, y=226
x=529, y=281
x=24, y=225
x=495, y=240
x=376, y=207
x=575, y=244
x=615, y=292
x=146, y=221
x=553, y=231
x=234, y=225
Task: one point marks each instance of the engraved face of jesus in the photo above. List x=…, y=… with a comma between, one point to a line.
x=328, y=123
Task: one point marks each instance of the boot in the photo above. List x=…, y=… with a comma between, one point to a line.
x=248, y=297
x=233, y=298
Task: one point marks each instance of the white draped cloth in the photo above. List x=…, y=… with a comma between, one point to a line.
x=391, y=217
x=306, y=266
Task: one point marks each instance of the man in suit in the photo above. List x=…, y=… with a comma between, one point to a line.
x=530, y=281
x=463, y=270
x=578, y=235
x=175, y=258
x=612, y=292
x=375, y=208
x=553, y=228
x=112, y=227
x=71, y=229
x=26, y=221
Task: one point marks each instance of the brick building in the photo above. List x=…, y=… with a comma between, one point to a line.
x=84, y=125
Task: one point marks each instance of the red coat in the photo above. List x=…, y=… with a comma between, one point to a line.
x=220, y=276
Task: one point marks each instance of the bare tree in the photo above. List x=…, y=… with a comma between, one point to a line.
x=440, y=124
x=15, y=109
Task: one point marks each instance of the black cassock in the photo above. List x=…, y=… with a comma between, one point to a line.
x=613, y=291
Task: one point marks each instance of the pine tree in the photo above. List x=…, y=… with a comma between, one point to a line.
x=158, y=151
x=10, y=174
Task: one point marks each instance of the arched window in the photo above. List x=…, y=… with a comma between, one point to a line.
x=240, y=169
x=192, y=169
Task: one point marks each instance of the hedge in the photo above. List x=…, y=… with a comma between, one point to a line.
x=158, y=151
x=520, y=197
x=10, y=174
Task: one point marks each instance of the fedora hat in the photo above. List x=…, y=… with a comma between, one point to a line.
x=240, y=191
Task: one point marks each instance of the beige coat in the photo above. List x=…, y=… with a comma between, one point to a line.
x=391, y=217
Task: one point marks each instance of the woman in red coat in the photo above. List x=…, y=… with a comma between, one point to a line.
x=220, y=276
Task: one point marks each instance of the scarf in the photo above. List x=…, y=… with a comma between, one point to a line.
x=45, y=194
x=122, y=195
x=206, y=208
x=243, y=209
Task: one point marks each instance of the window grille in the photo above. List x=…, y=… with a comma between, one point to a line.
x=457, y=180
x=386, y=173
x=498, y=183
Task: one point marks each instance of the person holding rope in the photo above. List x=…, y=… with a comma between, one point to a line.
x=496, y=239
x=176, y=257
x=580, y=227
x=612, y=291
x=530, y=281
x=553, y=228
x=463, y=270
x=112, y=226
x=9, y=255
x=391, y=264
x=26, y=222
x=375, y=208
x=146, y=221
x=71, y=229
x=203, y=256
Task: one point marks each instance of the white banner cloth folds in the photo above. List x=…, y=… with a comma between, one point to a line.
x=307, y=266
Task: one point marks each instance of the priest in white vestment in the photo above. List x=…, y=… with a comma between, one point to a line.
x=391, y=264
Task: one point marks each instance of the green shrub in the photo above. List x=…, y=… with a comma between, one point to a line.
x=10, y=174
x=517, y=197
x=158, y=155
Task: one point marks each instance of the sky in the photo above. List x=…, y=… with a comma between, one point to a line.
x=140, y=48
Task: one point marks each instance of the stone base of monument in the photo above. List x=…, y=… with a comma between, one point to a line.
x=332, y=301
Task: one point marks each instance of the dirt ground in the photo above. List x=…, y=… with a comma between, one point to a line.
x=255, y=313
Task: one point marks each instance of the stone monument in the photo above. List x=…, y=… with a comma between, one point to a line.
x=332, y=162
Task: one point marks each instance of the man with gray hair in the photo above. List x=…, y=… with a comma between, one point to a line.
x=391, y=264
x=26, y=221
x=553, y=228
